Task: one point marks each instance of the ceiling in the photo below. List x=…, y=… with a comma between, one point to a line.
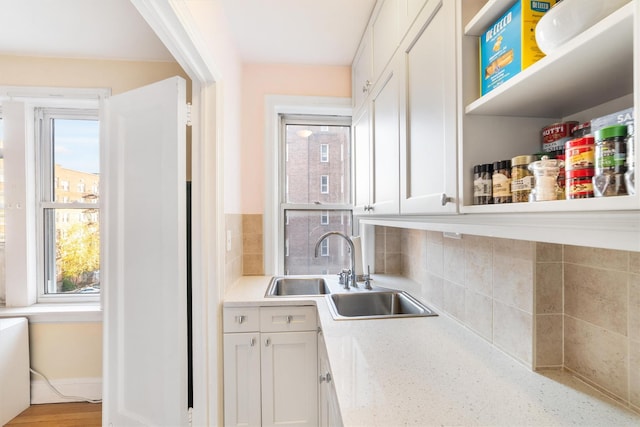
x=297, y=31
x=106, y=29
x=275, y=31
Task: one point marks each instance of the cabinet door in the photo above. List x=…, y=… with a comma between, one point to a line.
x=385, y=29
x=361, y=162
x=362, y=77
x=289, y=379
x=409, y=10
x=428, y=148
x=328, y=408
x=242, y=379
x=385, y=187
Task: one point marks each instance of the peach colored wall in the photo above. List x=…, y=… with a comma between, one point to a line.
x=260, y=80
x=120, y=76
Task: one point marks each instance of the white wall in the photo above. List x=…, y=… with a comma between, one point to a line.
x=211, y=24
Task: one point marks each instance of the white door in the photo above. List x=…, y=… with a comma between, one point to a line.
x=144, y=257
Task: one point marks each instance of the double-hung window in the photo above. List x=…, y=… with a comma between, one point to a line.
x=68, y=219
x=50, y=196
x=315, y=192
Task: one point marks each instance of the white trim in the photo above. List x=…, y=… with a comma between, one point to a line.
x=56, y=313
x=274, y=106
x=173, y=24
x=89, y=388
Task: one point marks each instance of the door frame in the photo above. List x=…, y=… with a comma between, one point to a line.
x=173, y=24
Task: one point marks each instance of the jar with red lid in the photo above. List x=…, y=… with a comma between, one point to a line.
x=579, y=183
x=580, y=153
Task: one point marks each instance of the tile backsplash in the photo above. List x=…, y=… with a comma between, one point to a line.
x=550, y=306
x=246, y=255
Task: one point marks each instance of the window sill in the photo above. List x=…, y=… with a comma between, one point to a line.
x=56, y=313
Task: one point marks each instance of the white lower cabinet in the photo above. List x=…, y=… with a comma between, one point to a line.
x=271, y=373
x=328, y=408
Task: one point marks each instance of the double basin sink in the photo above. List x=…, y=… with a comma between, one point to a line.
x=378, y=303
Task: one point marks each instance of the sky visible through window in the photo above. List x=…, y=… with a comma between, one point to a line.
x=77, y=144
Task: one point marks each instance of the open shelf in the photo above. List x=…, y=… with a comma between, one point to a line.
x=571, y=78
x=486, y=16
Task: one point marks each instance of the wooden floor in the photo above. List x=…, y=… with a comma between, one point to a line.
x=60, y=415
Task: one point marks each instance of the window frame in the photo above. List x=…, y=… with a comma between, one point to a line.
x=45, y=188
x=22, y=285
x=273, y=219
x=294, y=118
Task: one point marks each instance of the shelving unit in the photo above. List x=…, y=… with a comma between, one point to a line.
x=571, y=77
x=591, y=75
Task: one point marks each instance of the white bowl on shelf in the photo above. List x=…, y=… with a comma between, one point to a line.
x=569, y=18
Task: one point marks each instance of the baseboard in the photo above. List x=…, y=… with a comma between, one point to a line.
x=80, y=388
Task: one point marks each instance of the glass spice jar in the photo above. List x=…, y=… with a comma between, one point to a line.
x=546, y=173
x=521, y=178
x=610, y=161
x=579, y=183
x=482, y=184
x=501, y=182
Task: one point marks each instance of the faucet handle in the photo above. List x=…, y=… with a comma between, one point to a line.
x=367, y=279
x=344, y=274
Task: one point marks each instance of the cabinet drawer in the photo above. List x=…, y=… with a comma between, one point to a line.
x=241, y=319
x=284, y=319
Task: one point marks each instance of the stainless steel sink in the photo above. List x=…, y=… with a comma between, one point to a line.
x=376, y=305
x=297, y=286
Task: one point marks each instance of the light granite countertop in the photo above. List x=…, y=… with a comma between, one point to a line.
x=429, y=371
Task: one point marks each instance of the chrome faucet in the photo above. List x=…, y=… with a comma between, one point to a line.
x=351, y=277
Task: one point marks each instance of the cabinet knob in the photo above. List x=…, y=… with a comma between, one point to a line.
x=252, y=342
x=289, y=319
x=267, y=342
x=368, y=208
x=240, y=319
x=444, y=199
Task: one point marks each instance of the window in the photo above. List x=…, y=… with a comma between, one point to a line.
x=324, y=248
x=68, y=148
x=51, y=146
x=324, y=184
x=324, y=218
x=309, y=206
x=2, y=275
x=324, y=153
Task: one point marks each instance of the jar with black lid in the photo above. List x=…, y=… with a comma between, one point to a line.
x=482, y=184
x=501, y=182
x=610, y=161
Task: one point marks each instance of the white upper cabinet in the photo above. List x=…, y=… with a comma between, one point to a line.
x=428, y=113
x=409, y=10
x=362, y=162
x=385, y=144
x=385, y=33
x=362, y=71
